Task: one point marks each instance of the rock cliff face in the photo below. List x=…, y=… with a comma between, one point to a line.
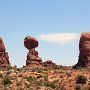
x=84, y=48
x=33, y=58
x=4, y=58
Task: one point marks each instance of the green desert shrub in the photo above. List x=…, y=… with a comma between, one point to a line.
x=46, y=78
x=50, y=84
x=18, y=83
x=10, y=68
x=45, y=69
x=39, y=83
x=37, y=70
x=30, y=78
x=81, y=79
x=57, y=67
x=20, y=88
x=8, y=73
x=88, y=88
x=40, y=76
x=6, y=80
x=68, y=74
x=77, y=87
x=27, y=86
x=62, y=86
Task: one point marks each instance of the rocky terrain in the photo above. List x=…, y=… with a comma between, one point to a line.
x=55, y=78
x=39, y=75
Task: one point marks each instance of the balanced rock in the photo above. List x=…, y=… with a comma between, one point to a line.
x=33, y=58
x=84, y=48
x=4, y=58
x=30, y=42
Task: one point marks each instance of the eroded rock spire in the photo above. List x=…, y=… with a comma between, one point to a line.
x=4, y=58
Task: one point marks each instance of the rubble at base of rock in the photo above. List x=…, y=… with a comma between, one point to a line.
x=48, y=63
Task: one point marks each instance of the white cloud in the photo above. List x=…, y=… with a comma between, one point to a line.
x=59, y=37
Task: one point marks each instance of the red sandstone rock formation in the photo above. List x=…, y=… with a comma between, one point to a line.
x=32, y=57
x=4, y=58
x=2, y=47
x=84, y=48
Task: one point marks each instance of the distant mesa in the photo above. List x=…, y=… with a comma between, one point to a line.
x=4, y=58
x=84, y=48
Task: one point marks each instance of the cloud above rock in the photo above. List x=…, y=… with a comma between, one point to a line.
x=59, y=37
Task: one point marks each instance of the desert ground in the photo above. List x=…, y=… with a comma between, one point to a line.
x=53, y=78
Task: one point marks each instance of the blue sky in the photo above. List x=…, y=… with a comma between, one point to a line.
x=19, y=18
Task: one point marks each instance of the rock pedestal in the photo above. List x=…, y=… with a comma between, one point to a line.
x=84, y=48
x=4, y=58
x=33, y=58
